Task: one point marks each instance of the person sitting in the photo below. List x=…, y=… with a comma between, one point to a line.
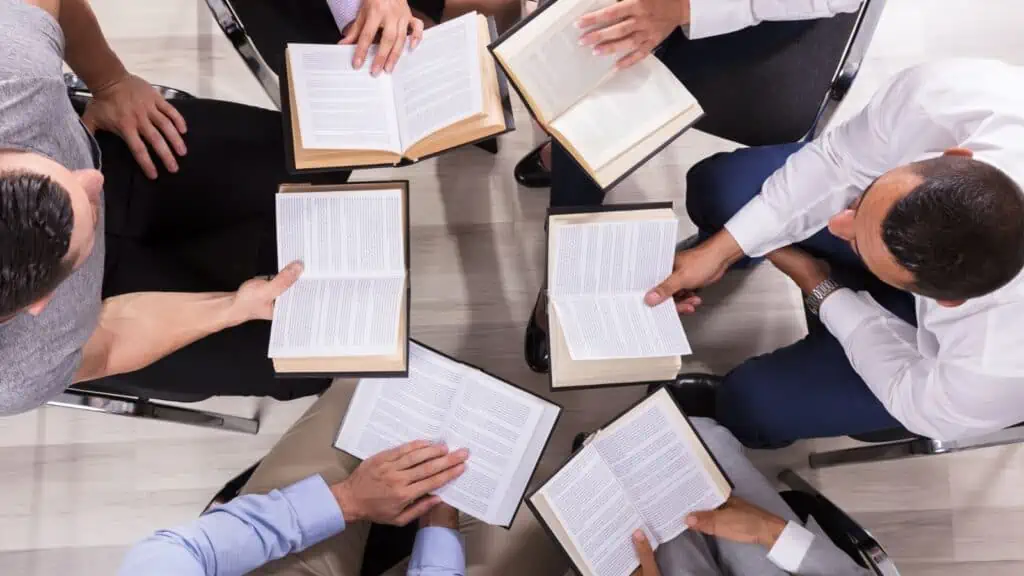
x=305, y=512
x=113, y=268
x=904, y=229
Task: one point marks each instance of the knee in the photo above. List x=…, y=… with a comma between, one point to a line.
x=746, y=405
x=708, y=193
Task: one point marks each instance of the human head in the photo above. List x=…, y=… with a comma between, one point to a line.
x=48, y=219
x=950, y=228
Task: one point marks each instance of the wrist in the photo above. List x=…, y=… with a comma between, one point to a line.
x=771, y=530
x=684, y=19
x=101, y=81
x=442, y=516
x=723, y=247
x=347, y=502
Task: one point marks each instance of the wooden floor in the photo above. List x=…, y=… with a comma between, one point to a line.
x=76, y=489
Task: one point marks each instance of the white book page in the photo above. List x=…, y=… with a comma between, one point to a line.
x=328, y=317
x=664, y=480
x=620, y=326
x=553, y=69
x=627, y=107
x=596, y=513
x=342, y=233
x=339, y=107
x=439, y=83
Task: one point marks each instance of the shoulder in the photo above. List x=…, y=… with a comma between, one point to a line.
x=32, y=374
x=31, y=40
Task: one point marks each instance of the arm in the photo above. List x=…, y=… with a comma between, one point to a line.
x=797, y=550
x=87, y=50
x=715, y=17
x=241, y=535
x=438, y=550
x=138, y=329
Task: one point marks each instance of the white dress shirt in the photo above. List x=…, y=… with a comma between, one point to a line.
x=714, y=17
x=960, y=373
x=344, y=12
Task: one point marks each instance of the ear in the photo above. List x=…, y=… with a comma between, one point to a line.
x=842, y=224
x=36, y=308
x=959, y=152
x=950, y=303
x=91, y=181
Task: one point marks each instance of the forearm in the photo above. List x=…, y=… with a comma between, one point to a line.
x=716, y=17
x=797, y=550
x=135, y=330
x=87, y=51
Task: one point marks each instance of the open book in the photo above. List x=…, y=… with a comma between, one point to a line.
x=601, y=263
x=611, y=121
x=348, y=313
x=646, y=470
x=504, y=427
x=443, y=94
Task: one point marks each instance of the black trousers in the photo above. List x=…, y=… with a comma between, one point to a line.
x=209, y=227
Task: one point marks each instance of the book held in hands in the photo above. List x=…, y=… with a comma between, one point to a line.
x=348, y=313
x=505, y=428
x=444, y=93
x=601, y=263
x=610, y=120
x=646, y=470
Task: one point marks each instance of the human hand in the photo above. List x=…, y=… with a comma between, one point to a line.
x=394, y=20
x=254, y=299
x=804, y=269
x=632, y=28
x=441, y=515
x=648, y=566
x=739, y=521
x=389, y=488
x=135, y=111
x=696, y=268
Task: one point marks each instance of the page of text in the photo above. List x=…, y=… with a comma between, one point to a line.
x=342, y=234
x=341, y=108
x=663, y=479
x=439, y=83
x=622, y=110
x=620, y=326
x=496, y=423
x=329, y=317
x=554, y=70
x=596, y=513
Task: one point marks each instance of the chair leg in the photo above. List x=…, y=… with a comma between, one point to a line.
x=142, y=408
x=914, y=447
x=489, y=145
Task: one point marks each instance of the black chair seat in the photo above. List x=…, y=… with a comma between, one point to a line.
x=832, y=521
x=890, y=435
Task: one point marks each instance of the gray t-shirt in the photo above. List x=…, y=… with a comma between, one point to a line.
x=39, y=354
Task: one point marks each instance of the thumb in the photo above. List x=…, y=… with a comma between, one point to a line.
x=285, y=278
x=665, y=290
x=703, y=522
x=351, y=31
x=645, y=553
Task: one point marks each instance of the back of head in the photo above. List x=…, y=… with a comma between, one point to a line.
x=961, y=231
x=36, y=220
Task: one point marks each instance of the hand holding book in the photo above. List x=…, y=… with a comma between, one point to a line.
x=633, y=28
x=394, y=21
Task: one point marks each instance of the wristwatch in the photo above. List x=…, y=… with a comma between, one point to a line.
x=821, y=291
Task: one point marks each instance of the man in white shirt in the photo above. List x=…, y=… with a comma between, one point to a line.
x=917, y=278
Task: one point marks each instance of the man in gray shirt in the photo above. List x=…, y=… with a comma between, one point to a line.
x=146, y=276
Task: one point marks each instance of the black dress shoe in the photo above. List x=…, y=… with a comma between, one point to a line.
x=694, y=392
x=530, y=172
x=535, y=345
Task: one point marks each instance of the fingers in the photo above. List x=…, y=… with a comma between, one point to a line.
x=353, y=29
x=387, y=45
x=418, y=509
x=666, y=289
x=396, y=51
x=703, y=522
x=688, y=303
x=631, y=58
x=436, y=481
x=285, y=278
x=366, y=39
x=606, y=16
x=169, y=130
x=601, y=36
x=419, y=456
x=158, y=144
x=645, y=553
x=140, y=152
x=399, y=451
x=417, y=32
x=172, y=113
x=435, y=466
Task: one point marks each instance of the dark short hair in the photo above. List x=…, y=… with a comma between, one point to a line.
x=960, y=232
x=36, y=220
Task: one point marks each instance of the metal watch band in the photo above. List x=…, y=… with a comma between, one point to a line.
x=818, y=295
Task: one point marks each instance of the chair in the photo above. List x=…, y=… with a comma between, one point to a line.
x=790, y=92
x=836, y=524
x=138, y=402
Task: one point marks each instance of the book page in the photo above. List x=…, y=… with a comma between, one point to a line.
x=602, y=271
x=342, y=233
x=596, y=513
x=327, y=317
x=663, y=478
x=341, y=108
x=626, y=107
x=439, y=83
x=551, y=67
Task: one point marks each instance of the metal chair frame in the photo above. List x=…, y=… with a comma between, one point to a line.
x=226, y=17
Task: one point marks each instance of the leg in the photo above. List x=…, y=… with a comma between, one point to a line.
x=307, y=449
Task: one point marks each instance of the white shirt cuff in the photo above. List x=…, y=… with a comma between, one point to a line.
x=714, y=17
x=754, y=227
x=791, y=547
x=844, y=310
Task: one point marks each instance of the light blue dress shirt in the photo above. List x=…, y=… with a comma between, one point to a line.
x=250, y=531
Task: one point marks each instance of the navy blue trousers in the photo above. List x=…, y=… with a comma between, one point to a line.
x=807, y=389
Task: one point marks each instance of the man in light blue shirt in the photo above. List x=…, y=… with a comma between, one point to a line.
x=246, y=533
